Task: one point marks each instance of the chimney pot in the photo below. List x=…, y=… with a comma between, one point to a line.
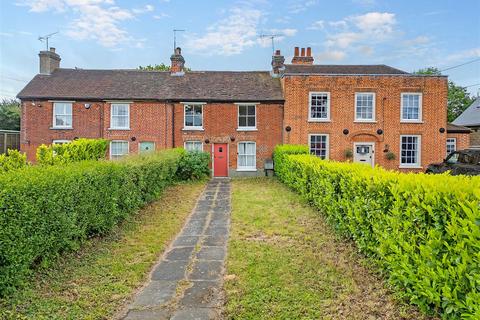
x=303, y=52
x=52, y=49
x=177, y=62
x=49, y=61
x=296, y=54
x=277, y=53
x=303, y=58
x=309, y=51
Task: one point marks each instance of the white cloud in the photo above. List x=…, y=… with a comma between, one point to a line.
x=6, y=34
x=366, y=50
x=161, y=16
x=298, y=6
x=317, y=25
x=465, y=54
x=334, y=55
x=375, y=22
x=98, y=20
x=338, y=24
x=417, y=41
x=229, y=36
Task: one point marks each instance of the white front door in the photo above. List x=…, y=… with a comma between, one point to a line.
x=363, y=152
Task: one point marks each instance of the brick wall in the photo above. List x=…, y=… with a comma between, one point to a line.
x=462, y=140
x=387, y=91
x=475, y=137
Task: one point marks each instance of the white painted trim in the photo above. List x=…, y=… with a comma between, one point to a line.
x=373, y=107
x=185, y=143
x=186, y=128
x=454, y=144
x=238, y=155
x=111, y=115
x=420, y=108
x=327, y=154
x=419, y=162
x=53, y=116
x=310, y=119
x=60, y=141
x=364, y=143
x=110, y=147
x=238, y=118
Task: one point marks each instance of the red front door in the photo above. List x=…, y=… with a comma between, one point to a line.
x=220, y=163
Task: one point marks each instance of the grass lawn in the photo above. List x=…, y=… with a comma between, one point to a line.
x=97, y=281
x=285, y=262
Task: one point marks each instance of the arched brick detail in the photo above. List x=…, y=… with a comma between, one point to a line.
x=364, y=136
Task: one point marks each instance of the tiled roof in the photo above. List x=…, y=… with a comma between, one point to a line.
x=452, y=128
x=471, y=116
x=83, y=84
x=381, y=69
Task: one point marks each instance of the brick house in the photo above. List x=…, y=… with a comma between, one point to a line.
x=470, y=119
x=358, y=113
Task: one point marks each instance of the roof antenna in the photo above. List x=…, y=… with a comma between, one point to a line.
x=175, y=37
x=271, y=37
x=46, y=37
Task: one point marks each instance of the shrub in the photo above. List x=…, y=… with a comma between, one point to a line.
x=193, y=165
x=45, y=210
x=422, y=230
x=77, y=150
x=13, y=160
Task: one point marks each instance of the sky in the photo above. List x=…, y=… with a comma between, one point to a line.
x=227, y=35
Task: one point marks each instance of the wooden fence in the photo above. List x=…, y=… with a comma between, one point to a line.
x=9, y=139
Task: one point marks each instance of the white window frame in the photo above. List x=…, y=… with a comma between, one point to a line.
x=246, y=128
x=454, y=145
x=246, y=168
x=140, y=143
x=327, y=152
x=373, y=107
x=418, y=164
x=192, y=141
x=420, y=107
x=54, y=125
x=310, y=118
x=192, y=104
x=122, y=155
x=111, y=116
x=61, y=141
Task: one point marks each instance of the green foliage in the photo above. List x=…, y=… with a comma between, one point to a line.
x=46, y=210
x=12, y=160
x=10, y=114
x=193, y=165
x=390, y=155
x=458, y=97
x=77, y=150
x=159, y=67
x=423, y=232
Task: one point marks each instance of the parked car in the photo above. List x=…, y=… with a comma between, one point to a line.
x=465, y=162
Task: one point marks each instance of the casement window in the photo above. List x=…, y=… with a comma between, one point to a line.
x=410, y=151
x=247, y=156
x=364, y=106
x=193, y=116
x=451, y=145
x=318, y=144
x=120, y=116
x=411, y=107
x=319, y=106
x=62, y=115
x=60, y=141
x=118, y=149
x=247, y=117
x=193, y=145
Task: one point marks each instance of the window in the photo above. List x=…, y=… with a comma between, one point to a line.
x=120, y=116
x=319, y=145
x=118, y=149
x=319, y=109
x=365, y=106
x=146, y=146
x=451, y=145
x=411, y=107
x=60, y=141
x=247, y=117
x=247, y=156
x=62, y=114
x=410, y=151
x=194, y=116
x=193, y=145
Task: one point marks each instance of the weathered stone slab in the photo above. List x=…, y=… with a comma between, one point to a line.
x=183, y=253
x=206, y=270
x=156, y=293
x=147, y=315
x=196, y=314
x=202, y=294
x=212, y=253
x=170, y=270
x=186, y=241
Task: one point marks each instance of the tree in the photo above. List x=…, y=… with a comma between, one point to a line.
x=10, y=114
x=158, y=67
x=458, y=97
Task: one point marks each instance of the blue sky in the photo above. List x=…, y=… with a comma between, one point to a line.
x=224, y=35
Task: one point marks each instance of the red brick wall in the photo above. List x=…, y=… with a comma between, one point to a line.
x=463, y=140
x=220, y=121
x=388, y=91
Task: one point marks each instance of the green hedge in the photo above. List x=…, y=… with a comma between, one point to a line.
x=77, y=150
x=422, y=230
x=194, y=165
x=45, y=210
x=12, y=160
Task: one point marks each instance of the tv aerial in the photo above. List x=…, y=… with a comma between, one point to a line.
x=272, y=38
x=46, y=37
x=175, y=37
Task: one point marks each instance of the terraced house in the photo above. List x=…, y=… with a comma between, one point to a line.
x=367, y=113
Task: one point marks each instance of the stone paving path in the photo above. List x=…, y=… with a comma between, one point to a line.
x=187, y=282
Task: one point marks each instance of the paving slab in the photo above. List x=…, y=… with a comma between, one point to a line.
x=183, y=253
x=196, y=314
x=147, y=315
x=156, y=293
x=206, y=270
x=202, y=294
x=212, y=253
x=170, y=270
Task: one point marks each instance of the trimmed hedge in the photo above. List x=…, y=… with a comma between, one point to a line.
x=422, y=230
x=45, y=210
x=12, y=160
x=77, y=150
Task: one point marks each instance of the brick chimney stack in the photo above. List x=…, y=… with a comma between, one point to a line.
x=178, y=62
x=278, y=64
x=49, y=61
x=302, y=57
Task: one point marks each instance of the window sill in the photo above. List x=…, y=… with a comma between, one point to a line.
x=319, y=120
x=118, y=129
x=247, y=129
x=410, y=167
x=61, y=128
x=246, y=169
x=193, y=129
x=364, y=121
x=411, y=121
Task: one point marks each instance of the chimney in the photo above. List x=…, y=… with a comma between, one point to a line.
x=178, y=62
x=303, y=57
x=278, y=64
x=49, y=61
